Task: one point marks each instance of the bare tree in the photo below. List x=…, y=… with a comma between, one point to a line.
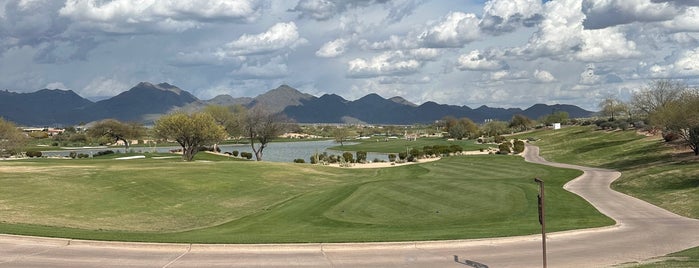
x=261, y=126
x=656, y=95
x=342, y=134
x=611, y=106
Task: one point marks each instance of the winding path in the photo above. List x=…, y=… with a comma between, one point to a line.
x=642, y=231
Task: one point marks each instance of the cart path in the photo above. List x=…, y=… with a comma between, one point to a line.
x=642, y=231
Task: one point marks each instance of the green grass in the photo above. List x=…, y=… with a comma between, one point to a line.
x=400, y=145
x=683, y=259
x=224, y=201
x=651, y=170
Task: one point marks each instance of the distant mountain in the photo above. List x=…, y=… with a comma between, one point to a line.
x=145, y=102
x=41, y=108
x=279, y=98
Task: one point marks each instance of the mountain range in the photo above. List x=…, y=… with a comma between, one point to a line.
x=145, y=102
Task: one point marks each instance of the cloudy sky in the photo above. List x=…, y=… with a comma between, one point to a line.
x=503, y=53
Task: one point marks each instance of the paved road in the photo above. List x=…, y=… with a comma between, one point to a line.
x=642, y=231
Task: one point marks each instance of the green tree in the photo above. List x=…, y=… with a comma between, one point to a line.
x=190, y=131
x=229, y=117
x=116, y=131
x=262, y=126
x=681, y=116
x=521, y=122
x=11, y=138
x=495, y=128
x=556, y=117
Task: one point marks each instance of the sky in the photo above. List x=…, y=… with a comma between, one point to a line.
x=499, y=53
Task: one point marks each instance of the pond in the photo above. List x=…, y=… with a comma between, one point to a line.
x=274, y=152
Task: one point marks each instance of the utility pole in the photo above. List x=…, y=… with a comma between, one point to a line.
x=542, y=217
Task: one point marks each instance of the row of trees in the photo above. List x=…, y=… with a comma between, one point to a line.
x=670, y=106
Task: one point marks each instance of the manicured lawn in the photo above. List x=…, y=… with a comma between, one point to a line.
x=651, y=170
x=683, y=259
x=220, y=200
x=401, y=145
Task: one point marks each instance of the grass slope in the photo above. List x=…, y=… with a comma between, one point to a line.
x=225, y=201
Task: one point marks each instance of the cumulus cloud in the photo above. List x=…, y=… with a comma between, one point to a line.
x=134, y=16
x=603, y=14
x=455, y=30
x=279, y=36
x=394, y=63
x=333, y=48
x=477, y=61
x=605, y=45
x=326, y=9
x=588, y=77
x=683, y=64
x=506, y=15
x=542, y=76
x=686, y=21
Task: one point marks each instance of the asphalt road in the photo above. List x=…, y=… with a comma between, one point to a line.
x=642, y=231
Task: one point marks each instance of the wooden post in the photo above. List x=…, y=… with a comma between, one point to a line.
x=542, y=217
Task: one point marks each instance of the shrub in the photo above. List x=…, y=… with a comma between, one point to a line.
x=348, y=157
x=299, y=161
x=81, y=155
x=669, y=136
x=499, y=139
x=235, y=153
x=246, y=155
x=33, y=154
x=73, y=155
x=455, y=148
x=392, y=157
x=39, y=135
x=107, y=152
x=411, y=158
x=402, y=155
x=504, y=148
x=518, y=146
x=361, y=156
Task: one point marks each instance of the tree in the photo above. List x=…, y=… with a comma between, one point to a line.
x=681, y=117
x=521, y=122
x=460, y=128
x=495, y=128
x=612, y=106
x=116, y=131
x=229, y=117
x=11, y=138
x=190, y=131
x=262, y=126
x=556, y=117
x=656, y=95
x=342, y=134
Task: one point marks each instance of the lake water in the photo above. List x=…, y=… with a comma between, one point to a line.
x=274, y=152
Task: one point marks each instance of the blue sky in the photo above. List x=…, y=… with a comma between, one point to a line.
x=504, y=53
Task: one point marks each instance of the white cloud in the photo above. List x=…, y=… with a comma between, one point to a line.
x=102, y=87
x=279, y=36
x=686, y=21
x=588, y=77
x=607, y=13
x=542, y=76
x=333, y=48
x=685, y=64
x=477, y=61
x=385, y=64
x=455, y=30
x=605, y=45
x=56, y=85
x=506, y=15
x=273, y=69
x=134, y=16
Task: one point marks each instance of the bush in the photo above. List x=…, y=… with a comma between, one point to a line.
x=246, y=155
x=392, y=157
x=504, y=148
x=39, y=135
x=73, y=155
x=402, y=155
x=81, y=155
x=299, y=161
x=33, y=154
x=235, y=153
x=348, y=157
x=518, y=146
x=456, y=148
x=499, y=139
x=107, y=152
x=669, y=136
x=361, y=156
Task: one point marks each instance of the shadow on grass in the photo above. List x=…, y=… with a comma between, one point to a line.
x=601, y=145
